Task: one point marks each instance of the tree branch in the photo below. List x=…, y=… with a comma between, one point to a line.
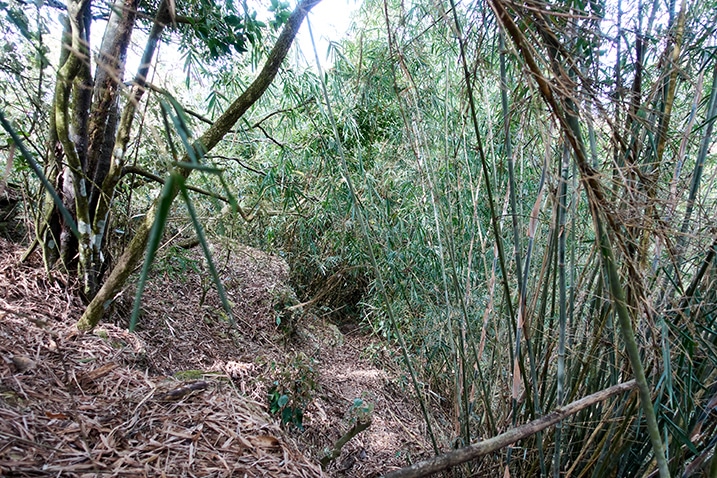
x=238, y=161
x=135, y=250
x=158, y=179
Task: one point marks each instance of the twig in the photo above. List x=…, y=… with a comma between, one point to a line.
x=146, y=174
x=238, y=161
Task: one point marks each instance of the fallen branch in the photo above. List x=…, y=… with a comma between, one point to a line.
x=183, y=391
x=484, y=447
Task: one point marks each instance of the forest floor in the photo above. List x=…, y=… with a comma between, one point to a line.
x=188, y=393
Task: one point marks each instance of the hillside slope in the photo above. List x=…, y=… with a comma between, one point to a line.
x=188, y=394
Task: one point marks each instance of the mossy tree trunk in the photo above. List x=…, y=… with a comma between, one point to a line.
x=91, y=123
x=83, y=127
x=135, y=250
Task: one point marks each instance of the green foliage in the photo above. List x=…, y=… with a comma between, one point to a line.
x=176, y=262
x=220, y=28
x=292, y=389
x=23, y=61
x=281, y=12
x=211, y=33
x=360, y=411
x=404, y=122
x=283, y=299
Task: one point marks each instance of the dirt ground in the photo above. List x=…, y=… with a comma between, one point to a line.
x=188, y=394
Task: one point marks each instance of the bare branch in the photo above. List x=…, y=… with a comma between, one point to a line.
x=158, y=179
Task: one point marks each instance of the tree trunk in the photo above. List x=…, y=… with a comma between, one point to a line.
x=129, y=259
x=82, y=126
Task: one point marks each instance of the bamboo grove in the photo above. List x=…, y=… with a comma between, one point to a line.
x=518, y=196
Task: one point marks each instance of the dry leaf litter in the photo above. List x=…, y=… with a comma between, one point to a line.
x=186, y=395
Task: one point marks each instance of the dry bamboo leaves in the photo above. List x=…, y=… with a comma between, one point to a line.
x=89, y=425
x=74, y=404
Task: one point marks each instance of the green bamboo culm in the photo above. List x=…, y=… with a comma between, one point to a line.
x=369, y=247
x=562, y=215
x=565, y=112
x=519, y=367
x=633, y=352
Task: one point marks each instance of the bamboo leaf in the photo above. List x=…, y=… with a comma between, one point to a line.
x=166, y=198
x=207, y=253
x=40, y=175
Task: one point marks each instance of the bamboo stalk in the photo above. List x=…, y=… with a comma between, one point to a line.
x=564, y=110
x=562, y=214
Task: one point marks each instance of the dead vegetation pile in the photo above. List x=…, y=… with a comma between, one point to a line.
x=187, y=394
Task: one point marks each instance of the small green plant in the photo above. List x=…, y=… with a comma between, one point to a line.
x=283, y=301
x=176, y=263
x=360, y=419
x=360, y=411
x=292, y=390
x=115, y=344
